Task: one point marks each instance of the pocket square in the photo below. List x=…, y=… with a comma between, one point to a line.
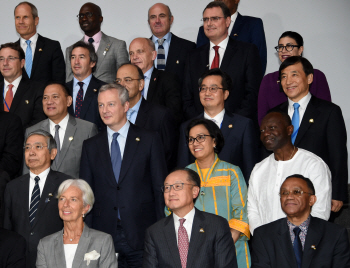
x=91, y=256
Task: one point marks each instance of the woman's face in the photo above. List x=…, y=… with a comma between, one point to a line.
x=285, y=54
x=71, y=205
x=204, y=149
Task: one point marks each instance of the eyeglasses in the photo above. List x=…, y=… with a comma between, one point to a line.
x=87, y=14
x=287, y=48
x=211, y=89
x=177, y=187
x=212, y=19
x=297, y=193
x=36, y=147
x=11, y=59
x=199, y=138
x=127, y=80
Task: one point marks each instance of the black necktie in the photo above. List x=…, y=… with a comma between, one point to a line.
x=79, y=100
x=91, y=40
x=298, y=249
x=34, y=201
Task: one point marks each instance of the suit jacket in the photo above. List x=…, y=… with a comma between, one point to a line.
x=241, y=63
x=27, y=102
x=89, y=111
x=157, y=118
x=47, y=219
x=240, y=147
x=322, y=131
x=165, y=89
x=13, y=250
x=48, y=63
x=51, y=250
x=247, y=29
x=111, y=53
x=212, y=248
x=77, y=131
x=137, y=194
x=326, y=245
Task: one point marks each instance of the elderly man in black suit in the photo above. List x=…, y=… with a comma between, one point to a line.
x=300, y=240
x=188, y=237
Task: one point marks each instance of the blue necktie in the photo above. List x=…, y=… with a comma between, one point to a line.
x=143, y=90
x=34, y=201
x=116, y=156
x=298, y=249
x=91, y=40
x=29, y=58
x=161, y=55
x=295, y=121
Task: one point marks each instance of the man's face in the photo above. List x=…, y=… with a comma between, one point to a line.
x=294, y=82
x=274, y=132
x=112, y=112
x=213, y=100
x=296, y=205
x=90, y=26
x=10, y=69
x=159, y=20
x=56, y=103
x=216, y=31
x=38, y=159
x=141, y=54
x=182, y=200
x=81, y=63
x=128, y=77
x=24, y=21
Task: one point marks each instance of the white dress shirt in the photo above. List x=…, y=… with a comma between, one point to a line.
x=303, y=105
x=264, y=204
x=187, y=224
x=217, y=119
x=62, y=130
x=69, y=253
x=15, y=84
x=222, y=49
x=123, y=134
x=34, y=40
x=233, y=20
x=42, y=176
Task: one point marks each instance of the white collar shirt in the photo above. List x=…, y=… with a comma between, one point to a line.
x=217, y=119
x=15, y=84
x=123, y=134
x=302, y=108
x=222, y=50
x=233, y=20
x=187, y=224
x=42, y=176
x=62, y=130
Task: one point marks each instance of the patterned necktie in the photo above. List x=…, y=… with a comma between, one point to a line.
x=29, y=58
x=183, y=243
x=58, y=143
x=298, y=249
x=295, y=121
x=8, y=98
x=34, y=201
x=79, y=100
x=161, y=55
x=91, y=40
x=116, y=157
x=216, y=60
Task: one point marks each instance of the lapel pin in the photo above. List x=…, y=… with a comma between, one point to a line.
x=50, y=194
x=313, y=247
x=311, y=120
x=230, y=126
x=155, y=79
x=95, y=90
x=208, y=65
x=27, y=101
x=201, y=230
x=70, y=138
x=137, y=139
x=40, y=49
x=278, y=81
x=177, y=62
x=235, y=35
x=202, y=193
x=47, y=200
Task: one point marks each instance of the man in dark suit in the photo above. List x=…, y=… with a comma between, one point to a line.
x=146, y=115
x=241, y=142
x=84, y=86
x=21, y=96
x=30, y=200
x=318, y=125
x=13, y=249
x=238, y=59
x=125, y=167
x=188, y=237
x=44, y=57
x=160, y=87
x=242, y=28
x=172, y=51
x=300, y=240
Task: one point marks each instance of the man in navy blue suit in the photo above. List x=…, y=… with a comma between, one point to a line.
x=243, y=28
x=125, y=166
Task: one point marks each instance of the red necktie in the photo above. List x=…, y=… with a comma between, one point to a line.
x=8, y=98
x=183, y=243
x=79, y=100
x=215, y=63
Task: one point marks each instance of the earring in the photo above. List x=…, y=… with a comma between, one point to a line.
x=83, y=215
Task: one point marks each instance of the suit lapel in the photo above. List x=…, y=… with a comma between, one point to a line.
x=91, y=91
x=102, y=50
x=226, y=125
x=313, y=237
x=59, y=251
x=237, y=26
x=152, y=84
x=230, y=52
x=22, y=88
x=25, y=195
x=170, y=235
x=285, y=243
x=204, y=65
x=40, y=46
x=105, y=157
x=173, y=53
x=142, y=114
x=83, y=245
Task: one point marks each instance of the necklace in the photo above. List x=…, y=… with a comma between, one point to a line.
x=71, y=239
x=291, y=154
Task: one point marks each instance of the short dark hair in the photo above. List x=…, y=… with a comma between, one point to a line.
x=285, y=116
x=90, y=48
x=15, y=46
x=213, y=129
x=96, y=7
x=226, y=80
x=63, y=86
x=192, y=176
x=297, y=37
x=140, y=73
x=307, y=66
x=221, y=5
x=51, y=143
x=309, y=183
x=33, y=8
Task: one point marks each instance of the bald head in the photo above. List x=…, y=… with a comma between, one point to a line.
x=142, y=53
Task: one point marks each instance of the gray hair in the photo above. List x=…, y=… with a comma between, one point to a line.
x=169, y=11
x=33, y=8
x=88, y=195
x=122, y=91
x=51, y=143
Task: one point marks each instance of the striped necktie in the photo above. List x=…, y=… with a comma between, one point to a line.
x=161, y=55
x=34, y=200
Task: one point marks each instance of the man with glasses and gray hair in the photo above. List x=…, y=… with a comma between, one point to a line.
x=31, y=208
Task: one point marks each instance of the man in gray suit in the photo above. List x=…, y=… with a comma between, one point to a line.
x=111, y=52
x=69, y=132
x=188, y=237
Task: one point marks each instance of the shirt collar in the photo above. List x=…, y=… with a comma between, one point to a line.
x=62, y=124
x=122, y=132
x=136, y=107
x=167, y=37
x=303, y=102
x=42, y=175
x=218, y=118
x=234, y=16
x=97, y=37
x=189, y=216
x=222, y=44
x=86, y=81
x=33, y=39
x=303, y=227
x=15, y=82
x=149, y=73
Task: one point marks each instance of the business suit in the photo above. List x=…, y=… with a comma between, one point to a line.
x=77, y=131
x=27, y=102
x=13, y=249
x=111, y=53
x=51, y=250
x=240, y=147
x=247, y=29
x=326, y=245
x=89, y=111
x=47, y=220
x=137, y=194
x=241, y=63
x=213, y=247
x=322, y=131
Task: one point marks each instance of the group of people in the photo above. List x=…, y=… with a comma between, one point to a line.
x=150, y=157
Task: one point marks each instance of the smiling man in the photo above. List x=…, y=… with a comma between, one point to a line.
x=267, y=176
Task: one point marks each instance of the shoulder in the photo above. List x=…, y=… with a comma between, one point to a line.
x=251, y=20
x=8, y=236
x=265, y=163
x=48, y=41
x=238, y=118
x=59, y=175
x=155, y=228
x=95, y=234
x=84, y=124
x=112, y=39
x=269, y=229
x=309, y=157
x=36, y=126
x=18, y=182
x=182, y=41
x=149, y=134
x=97, y=139
x=215, y=221
x=334, y=228
x=317, y=102
x=47, y=240
x=164, y=75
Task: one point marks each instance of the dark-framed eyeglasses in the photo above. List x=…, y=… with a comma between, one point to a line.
x=199, y=139
x=127, y=80
x=10, y=59
x=212, y=89
x=87, y=14
x=286, y=47
x=212, y=19
x=177, y=187
x=296, y=192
